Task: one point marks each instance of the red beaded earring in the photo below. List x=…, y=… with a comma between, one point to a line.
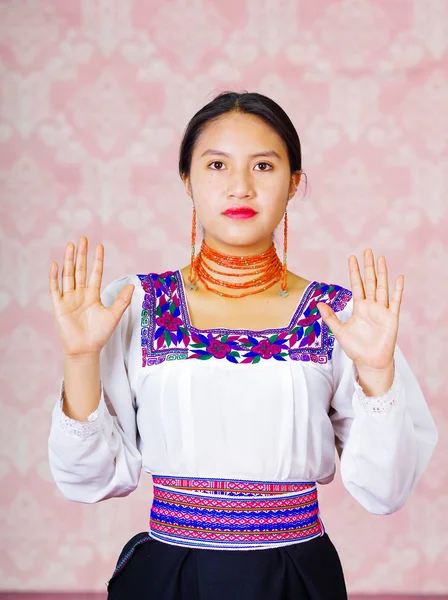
x=192, y=276
x=284, y=291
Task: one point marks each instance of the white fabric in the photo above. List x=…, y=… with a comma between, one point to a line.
x=270, y=421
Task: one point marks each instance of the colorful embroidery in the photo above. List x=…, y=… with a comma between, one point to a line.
x=167, y=333
x=233, y=514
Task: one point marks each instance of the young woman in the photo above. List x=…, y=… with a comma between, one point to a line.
x=231, y=380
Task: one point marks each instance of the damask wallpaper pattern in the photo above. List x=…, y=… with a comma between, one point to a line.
x=95, y=96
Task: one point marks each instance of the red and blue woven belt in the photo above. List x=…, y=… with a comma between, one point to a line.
x=233, y=514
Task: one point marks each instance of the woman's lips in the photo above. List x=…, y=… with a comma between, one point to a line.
x=240, y=213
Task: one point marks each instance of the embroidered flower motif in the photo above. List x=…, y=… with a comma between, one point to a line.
x=274, y=346
x=169, y=321
x=167, y=332
x=218, y=348
x=266, y=349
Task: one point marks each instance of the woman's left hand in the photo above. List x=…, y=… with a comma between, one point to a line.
x=370, y=335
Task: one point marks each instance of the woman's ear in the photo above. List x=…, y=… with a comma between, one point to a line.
x=187, y=184
x=297, y=176
x=295, y=180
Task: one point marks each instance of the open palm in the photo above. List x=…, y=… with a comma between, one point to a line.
x=370, y=334
x=84, y=323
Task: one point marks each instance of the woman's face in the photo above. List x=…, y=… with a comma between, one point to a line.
x=240, y=161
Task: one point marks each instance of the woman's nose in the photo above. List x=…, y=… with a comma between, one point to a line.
x=239, y=184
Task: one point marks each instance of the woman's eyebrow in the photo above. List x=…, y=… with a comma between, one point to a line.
x=257, y=154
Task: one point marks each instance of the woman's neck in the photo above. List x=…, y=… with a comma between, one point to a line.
x=234, y=274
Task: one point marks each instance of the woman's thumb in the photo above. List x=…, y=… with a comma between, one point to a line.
x=123, y=300
x=329, y=317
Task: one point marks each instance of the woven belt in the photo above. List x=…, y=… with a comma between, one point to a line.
x=233, y=514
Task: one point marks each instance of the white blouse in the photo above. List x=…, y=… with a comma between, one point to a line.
x=239, y=404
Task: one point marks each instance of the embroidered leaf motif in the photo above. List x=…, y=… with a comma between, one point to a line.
x=304, y=342
x=231, y=358
x=273, y=338
x=246, y=341
x=233, y=338
x=202, y=353
x=199, y=345
x=158, y=332
x=234, y=353
x=200, y=338
x=225, y=338
x=167, y=337
x=159, y=311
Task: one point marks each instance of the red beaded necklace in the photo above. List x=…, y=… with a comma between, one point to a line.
x=267, y=265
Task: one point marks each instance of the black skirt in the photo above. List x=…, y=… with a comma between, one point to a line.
x=148, y=568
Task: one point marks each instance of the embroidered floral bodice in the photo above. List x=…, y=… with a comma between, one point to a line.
x=167, y=331
x=220, y=403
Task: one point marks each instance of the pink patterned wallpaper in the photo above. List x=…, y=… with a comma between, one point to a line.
x=94, y=99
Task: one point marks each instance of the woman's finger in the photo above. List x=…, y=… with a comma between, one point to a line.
x=96, y=272
x=397, y=295
x=355, y=279
x=382, y=289
x=53, y=284
x=81, y=263
x=369, y=275
x=68, y=280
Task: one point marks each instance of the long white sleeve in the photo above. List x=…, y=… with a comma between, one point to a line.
x=384, y=442
x=97, y=459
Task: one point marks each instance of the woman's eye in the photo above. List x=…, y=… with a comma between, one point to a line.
x=267, y=165
x=216, y=162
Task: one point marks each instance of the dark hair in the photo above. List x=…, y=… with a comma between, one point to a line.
x=244, y=102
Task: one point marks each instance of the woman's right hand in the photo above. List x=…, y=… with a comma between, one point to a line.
x=84, y=323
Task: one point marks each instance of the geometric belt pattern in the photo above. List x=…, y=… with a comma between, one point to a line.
x=233, y=514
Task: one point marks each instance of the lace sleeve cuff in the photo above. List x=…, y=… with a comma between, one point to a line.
x=377, y=404
x=80, y=428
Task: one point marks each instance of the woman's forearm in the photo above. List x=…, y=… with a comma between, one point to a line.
x=82, y=386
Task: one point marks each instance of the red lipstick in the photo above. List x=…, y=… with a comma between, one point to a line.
x=241, y=212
